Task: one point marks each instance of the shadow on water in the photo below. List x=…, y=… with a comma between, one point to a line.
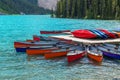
x=108, y=60
x=41, y=57
x=19, y=53
x=35, y=57
x=85, y=60
x=111, y=63
x=93, y=62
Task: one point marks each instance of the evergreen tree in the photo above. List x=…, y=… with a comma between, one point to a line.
x=89, y=9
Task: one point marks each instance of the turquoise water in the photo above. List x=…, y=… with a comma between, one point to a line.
x=19, y=66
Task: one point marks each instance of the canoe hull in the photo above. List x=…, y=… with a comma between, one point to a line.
x=71, y=58
x=54, y=32
x=97, y=58
x=86, y=34
x=20, y=49
x=20, y=44
x=39, y=51
x=55, y=54
x=23, y=49
x=111, y=35
x=36, y=38
x=111, y=55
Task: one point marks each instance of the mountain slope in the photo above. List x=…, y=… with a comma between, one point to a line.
x=21, y=6
x=48, y=4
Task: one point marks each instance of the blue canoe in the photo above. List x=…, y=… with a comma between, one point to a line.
x=110, y=52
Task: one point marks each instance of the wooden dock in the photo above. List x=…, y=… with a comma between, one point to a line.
x=87, y=41
x=68, y=33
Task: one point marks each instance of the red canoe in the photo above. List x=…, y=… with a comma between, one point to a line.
x=111, y=35
x=75, y=55
x=86, y=34
x=54, y=32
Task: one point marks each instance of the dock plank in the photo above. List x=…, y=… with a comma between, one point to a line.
x=87, y=41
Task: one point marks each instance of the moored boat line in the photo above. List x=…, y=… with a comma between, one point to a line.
x=55, y=50
x=22, y=47
x=71, y=47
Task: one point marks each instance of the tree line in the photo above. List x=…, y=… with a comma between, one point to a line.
x=88, y=9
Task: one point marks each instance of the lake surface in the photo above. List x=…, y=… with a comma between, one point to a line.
x=19, y=66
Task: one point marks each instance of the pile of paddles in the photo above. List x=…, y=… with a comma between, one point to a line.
x=53, y=48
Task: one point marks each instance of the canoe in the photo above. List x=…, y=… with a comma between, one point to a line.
x=94, y=54
x=115, y=55
x=54, y=32
x=39, y=51
x=23, y=49
x=110, y=52
x=58, y=53
x=54, y=54
x=112, y=45
x=86, y=34
x=42, y=38
x=100, y=34
x=75, y=55
x=27, y=44
x=110, y=34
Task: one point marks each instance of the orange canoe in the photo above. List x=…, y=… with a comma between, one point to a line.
x=95, y=55
x=59, y=53
x=97, y=58
x=39, y=51
x=55, y=54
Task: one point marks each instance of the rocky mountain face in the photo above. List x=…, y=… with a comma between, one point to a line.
x=22, y=6
x=48, y=4
x=27, y=6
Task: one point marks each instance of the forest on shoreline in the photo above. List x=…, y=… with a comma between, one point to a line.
x=88, y=9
